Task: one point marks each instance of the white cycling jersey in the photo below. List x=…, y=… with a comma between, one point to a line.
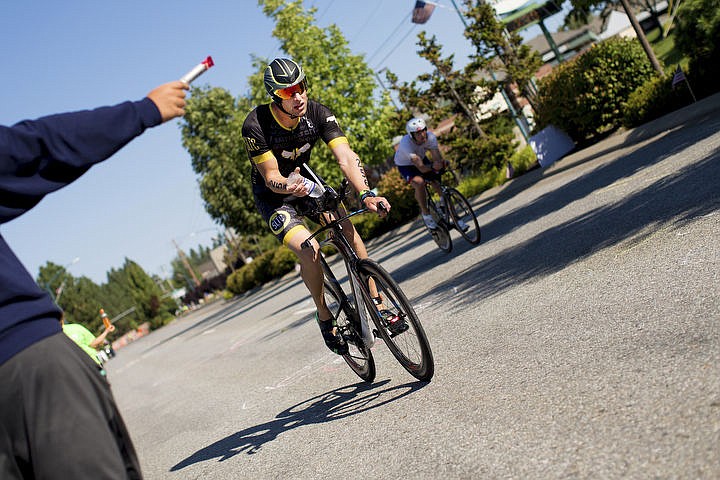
x=408, y=146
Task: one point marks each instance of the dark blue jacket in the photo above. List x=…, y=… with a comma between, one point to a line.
x=38, y=157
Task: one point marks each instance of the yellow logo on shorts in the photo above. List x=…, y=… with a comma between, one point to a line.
x=278, y=221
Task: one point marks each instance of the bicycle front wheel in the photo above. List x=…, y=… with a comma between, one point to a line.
x=359, y=358
x=410, y=347
x=463, y=216
x=439, y=234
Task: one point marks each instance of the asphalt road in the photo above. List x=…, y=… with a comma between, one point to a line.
x=580, y=339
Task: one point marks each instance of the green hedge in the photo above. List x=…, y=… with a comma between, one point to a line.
x=270, y=265
x=586, y=96
x=653, y=99
x=403, y=206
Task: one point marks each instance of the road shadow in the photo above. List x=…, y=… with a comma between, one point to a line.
x=673, y=142
x=687, y=193
x=334, y=405
x=668, y=201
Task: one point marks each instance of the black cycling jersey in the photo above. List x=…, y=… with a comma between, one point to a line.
x=265, y=138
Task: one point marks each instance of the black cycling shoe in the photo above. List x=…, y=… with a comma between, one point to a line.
x=394, y=323
x=333, y=341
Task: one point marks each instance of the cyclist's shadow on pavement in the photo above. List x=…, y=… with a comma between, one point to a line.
x=333, y=405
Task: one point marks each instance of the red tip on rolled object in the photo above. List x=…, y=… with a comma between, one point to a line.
x=197, y=70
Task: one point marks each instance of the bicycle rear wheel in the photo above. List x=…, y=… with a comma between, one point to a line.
x=359, y=358
x=460, y=209
x=411, y=347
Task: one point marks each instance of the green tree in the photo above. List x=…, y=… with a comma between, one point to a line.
x=454, y=87
x=51, y=276
x=697, y=35
x=448, y=92
x=144, y=294
x=500, y=51
x=337, y=78
x=211, y=133
x=81, y=301
x=126, y=288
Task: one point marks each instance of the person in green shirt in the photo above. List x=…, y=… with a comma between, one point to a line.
x=85, y=338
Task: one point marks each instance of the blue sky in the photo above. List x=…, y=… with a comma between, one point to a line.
x=63, y=56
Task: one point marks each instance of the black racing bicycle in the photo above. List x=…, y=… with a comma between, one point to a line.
x=450, y=210
x=372, y=294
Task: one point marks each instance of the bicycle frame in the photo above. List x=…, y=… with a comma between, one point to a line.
x=393, y=316
x=444, y=216
x=360, y=290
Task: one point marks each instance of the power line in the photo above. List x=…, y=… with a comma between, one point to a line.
x=327, y=9
x=390, y=36
x=397, y=44
x=370, y=17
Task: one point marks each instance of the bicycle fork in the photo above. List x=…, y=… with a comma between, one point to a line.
x=365, y=332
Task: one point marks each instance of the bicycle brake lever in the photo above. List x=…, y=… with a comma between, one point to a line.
x=343, y=189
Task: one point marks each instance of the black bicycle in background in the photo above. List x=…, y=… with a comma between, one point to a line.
x=450, y=210
x=372, y=294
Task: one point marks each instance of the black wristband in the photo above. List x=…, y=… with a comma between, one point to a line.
x=365, y=194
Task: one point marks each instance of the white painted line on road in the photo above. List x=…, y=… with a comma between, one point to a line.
x=299, y=374
x=304, y=311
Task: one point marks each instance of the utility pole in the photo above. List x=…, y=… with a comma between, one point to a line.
x=184, y=259
x=643, y=39
x=55, y=295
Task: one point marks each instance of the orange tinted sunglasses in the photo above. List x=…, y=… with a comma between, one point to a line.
x=287, y=93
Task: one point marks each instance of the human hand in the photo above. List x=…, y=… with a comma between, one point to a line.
x=377, y=204
x=296, y=184
x=169, y=98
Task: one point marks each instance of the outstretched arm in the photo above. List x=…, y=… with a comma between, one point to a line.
x=41, y=156
x=100, y=339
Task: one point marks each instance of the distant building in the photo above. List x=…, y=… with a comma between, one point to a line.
x=216, y=265
x=217, y=256
x=573, y=42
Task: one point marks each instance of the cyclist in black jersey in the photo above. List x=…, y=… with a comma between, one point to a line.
x=279, y=137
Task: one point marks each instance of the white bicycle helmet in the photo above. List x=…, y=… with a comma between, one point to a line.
x=415, y=125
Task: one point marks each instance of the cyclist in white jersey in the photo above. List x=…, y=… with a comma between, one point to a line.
x=419, y=160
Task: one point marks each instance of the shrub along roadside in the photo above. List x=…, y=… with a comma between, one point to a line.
x=270, y=265
x=653, y=99
x=585, y=97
